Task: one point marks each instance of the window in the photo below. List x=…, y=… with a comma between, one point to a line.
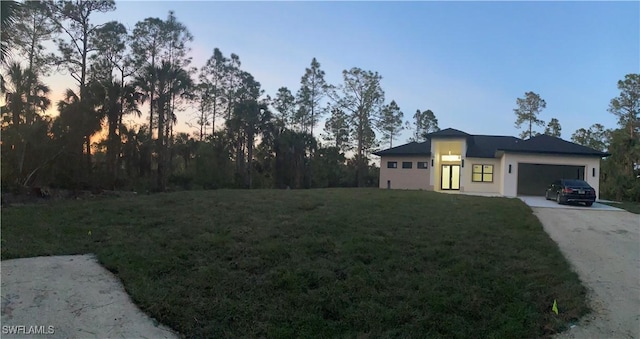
x=407, y=164
x=422, y=165
x=482, y=173
x=392, y=164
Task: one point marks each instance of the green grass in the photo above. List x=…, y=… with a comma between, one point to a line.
x=632, y=207
x=318, y=263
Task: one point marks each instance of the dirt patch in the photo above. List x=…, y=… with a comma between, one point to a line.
x=604, y=249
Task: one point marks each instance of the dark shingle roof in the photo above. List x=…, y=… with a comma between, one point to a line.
x=448, y=133
x=550, y=145
x=412, y=148
x=485, y=146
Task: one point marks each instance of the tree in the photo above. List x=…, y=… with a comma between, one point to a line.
x=337, y=129
x=148, y=39
x=204, y=101
x=362, y=97
x=73, y=18
x=172, y=81
x=232, y=82
x=31, y=31
x=212, y=76
x=24, y=131
x=113, y=100
x=627, y=105
x=527, y=113
x=390, y=122
x=111, y=41
x=312, y=90
x=20, y=94
x=595, y=137
x=285, y=105
x=553, y=128
x=424, y=122
x=621, y=171
x=9, y=15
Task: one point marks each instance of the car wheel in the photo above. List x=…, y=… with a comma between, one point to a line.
x=546, y=195
x=588, y=203
x=558, y=200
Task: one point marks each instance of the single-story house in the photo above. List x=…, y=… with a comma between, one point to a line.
x=452, y=160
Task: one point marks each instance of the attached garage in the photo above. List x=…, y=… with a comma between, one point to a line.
x=533, y=179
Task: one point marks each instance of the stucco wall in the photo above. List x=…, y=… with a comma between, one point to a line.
x=404, y=178
x=487, y=187
x=439, y=147
x=510, y=184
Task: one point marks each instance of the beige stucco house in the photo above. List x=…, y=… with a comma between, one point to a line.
x=452, y=160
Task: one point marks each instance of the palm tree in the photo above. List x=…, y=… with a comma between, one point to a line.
x=114, y=100
x=16, y=91
x=22, y=98
x=80, y=120
x=20, y=114
x=8, y=17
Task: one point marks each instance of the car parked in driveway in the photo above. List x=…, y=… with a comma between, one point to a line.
x=571, y=190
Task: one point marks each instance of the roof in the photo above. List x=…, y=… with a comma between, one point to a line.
x=412, y=148
x=448, y=133
x=486, y=146
x=547, y=144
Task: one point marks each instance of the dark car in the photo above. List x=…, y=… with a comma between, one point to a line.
x=571, y=190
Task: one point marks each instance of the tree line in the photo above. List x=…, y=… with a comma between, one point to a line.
x=244, y=137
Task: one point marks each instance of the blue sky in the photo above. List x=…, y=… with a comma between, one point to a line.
x=466, y=61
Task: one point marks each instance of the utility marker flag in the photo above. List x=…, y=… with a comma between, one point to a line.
x=554, y=308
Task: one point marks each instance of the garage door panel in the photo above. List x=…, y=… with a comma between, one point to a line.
x=533, y=179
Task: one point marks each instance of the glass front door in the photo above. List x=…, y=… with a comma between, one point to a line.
x=450, y=177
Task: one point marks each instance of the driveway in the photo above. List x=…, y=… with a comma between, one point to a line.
x=604, y=248
x=69, y=297
x=535, y=201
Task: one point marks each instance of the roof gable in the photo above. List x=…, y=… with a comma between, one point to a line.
x=448, y=133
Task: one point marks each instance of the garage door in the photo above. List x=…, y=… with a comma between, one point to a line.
x=533, y=179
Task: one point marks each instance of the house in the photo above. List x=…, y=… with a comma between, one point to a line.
x=452, y=160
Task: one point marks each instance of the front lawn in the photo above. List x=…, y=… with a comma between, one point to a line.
x=317, y=263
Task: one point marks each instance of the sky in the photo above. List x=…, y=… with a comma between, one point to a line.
x=468, y=62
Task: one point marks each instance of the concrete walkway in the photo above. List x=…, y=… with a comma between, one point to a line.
x=69, y=297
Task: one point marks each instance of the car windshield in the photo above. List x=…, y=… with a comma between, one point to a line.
x=576, y=183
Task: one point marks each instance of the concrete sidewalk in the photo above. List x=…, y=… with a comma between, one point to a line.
x=69, y=297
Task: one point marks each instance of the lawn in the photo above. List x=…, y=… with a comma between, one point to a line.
x=317, y=263
x=632, y=207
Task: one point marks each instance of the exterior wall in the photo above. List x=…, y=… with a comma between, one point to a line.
x=440, y=147
x=405, y=178
x=510, y=180
x=483, y=187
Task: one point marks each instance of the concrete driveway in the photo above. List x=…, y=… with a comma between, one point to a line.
x=535, y=201
x=69, y=297
x=603, y=247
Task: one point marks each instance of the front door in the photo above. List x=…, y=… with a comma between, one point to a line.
x=450, y=177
